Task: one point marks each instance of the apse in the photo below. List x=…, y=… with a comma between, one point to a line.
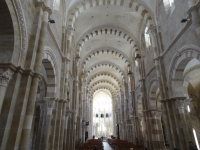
x=102, y=114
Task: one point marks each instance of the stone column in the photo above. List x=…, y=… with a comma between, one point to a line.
x=83, y=131
x=69, y=132
x=24, y=134
x=160, y=76
x=54, y=122
x=158, y=138
x=64, y=121
x=50, y=102
x=66, y=131
x=181, y=122
x=166, y=118
x=5, y=77
x=73, y=123
x=57, y=127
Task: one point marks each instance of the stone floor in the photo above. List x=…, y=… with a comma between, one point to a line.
x=106, y=146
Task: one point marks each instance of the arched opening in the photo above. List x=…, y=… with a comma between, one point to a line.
x=184, y=82
x=102, y=114
x=46, y=89
x=48, y=73
x=6, y=34
x=155, y=105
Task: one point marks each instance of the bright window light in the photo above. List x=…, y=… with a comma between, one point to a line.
x=171, y=2
x=56, y=4
x=188, y=107
x=147, y=38
x=195, y=136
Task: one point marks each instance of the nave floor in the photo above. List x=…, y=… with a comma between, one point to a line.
x=106, y=146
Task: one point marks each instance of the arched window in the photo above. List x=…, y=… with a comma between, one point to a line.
x=169, y=5
x=56, y=4
x=102, y=115
x=107, y=115
x=97, y=115
x=147, y=38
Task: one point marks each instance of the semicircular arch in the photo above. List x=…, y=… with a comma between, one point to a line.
x=105, y=31
x=104, y=74
x=102, y=82
x=105, y=64
x=106, y=50
x=79, y=7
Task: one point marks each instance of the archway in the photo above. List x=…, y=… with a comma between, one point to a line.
x=6, y=33
x=102, y=114
x=46, y=90
x=183, y=77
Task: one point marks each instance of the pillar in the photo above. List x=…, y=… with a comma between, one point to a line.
x=157, y=136
x=5, y=77
x=50, y=102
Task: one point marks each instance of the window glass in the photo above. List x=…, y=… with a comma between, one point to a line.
x=56, y=4
x=147, y=38
x=169, y=5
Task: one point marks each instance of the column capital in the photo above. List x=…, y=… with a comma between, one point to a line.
x=180, y=103
x=50, y=101
x=5, y=77
x=156, y=114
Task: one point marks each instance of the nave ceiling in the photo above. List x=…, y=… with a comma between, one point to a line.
x=107, y=33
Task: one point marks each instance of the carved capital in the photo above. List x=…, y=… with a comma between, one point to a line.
x=5, y=77
x=156, y=114
x=180, y=104
x=50, y=102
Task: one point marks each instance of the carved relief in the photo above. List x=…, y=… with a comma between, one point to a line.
x=5, y=77
x=179, y=103
x=156, y=114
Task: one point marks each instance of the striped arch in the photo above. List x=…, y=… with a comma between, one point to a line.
x=188, y=75
x=53, y=76
x=79, y=7
x=102, y=31
x=104, y=74
x=108, y=50
x=114, y=93
x=106, y=64
x=103, y=81
x=153, y=86
x=177, y=66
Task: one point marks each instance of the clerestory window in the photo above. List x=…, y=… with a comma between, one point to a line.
x=147, y=38
x=169, y=5
x=56, y=4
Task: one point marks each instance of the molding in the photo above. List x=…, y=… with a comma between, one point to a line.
x=23, y=34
